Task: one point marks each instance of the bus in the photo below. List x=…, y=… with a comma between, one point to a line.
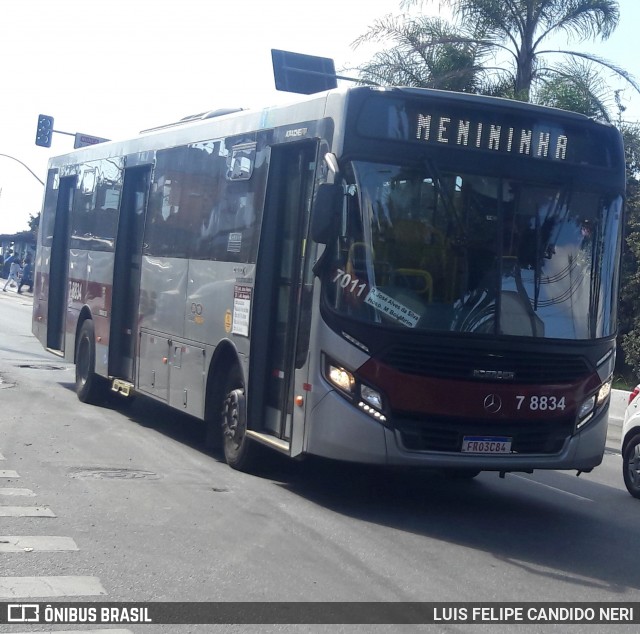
x=394, y=276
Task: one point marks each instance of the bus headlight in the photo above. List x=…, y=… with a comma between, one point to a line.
x=370, y=396
x=371, y=403
x=341, y=378
x=374, y=413
x=603, y=393
x=586, y=411
x=587, y=408
x=367, y=398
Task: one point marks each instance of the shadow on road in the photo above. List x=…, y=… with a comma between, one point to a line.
x=547, y=534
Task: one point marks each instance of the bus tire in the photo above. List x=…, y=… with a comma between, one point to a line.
x=90, y=387
x=631, y=466
x=240, y=451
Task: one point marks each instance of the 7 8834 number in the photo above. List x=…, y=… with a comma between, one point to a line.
x=540, y=403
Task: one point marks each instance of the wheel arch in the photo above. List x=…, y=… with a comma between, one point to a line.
x=224, y=357
x=85, y=314
x=629, y=434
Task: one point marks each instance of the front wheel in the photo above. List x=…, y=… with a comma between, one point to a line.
x=240, y=451
x=631, y=466
x=90, y=387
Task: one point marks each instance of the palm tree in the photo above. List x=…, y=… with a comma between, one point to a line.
x=517, y=32
x=500, y=47
x=577, y=86
x=426, y=53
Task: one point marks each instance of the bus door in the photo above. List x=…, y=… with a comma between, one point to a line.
x=281, y=313
x=126, y=272
x=59, y=266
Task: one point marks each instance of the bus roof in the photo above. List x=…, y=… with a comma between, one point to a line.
x=235, y=121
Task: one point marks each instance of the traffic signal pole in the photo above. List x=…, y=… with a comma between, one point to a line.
x=44, y=134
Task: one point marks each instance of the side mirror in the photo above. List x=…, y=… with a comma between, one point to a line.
x=325, y=212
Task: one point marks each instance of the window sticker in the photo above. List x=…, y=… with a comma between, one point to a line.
x=234, y=242
x=392, y=308
x=241, y=309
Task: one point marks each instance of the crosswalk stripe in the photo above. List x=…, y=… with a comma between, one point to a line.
x=41, y=587
x=22, y=543
x=26, y=511
x=10, y=491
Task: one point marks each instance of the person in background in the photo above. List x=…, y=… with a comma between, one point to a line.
x=27, y=275
x=14, y=273
x=6, y=263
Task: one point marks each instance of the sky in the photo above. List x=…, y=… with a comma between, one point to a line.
x=110, y=68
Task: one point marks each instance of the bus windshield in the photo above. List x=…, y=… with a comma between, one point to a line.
x=463, y=252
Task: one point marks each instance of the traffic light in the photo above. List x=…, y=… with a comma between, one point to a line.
x=45, y=130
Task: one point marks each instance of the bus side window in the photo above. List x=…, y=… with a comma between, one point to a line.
x=241, y=161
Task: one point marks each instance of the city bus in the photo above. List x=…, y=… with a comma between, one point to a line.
x=394, y=276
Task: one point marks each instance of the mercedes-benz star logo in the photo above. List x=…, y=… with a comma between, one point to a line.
x=492, y=403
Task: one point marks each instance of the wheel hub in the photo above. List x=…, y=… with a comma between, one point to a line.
x=231, y=426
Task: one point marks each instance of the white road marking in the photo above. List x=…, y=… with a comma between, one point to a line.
x=41, y=587
x=548, y=486
x=23, y=543
x=23, y=492
x=26, y=511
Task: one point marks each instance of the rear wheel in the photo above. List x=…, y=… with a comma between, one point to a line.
x=631, y=466
x=90, y=387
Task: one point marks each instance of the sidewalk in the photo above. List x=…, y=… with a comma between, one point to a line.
x=617, y=407
x=14, y=290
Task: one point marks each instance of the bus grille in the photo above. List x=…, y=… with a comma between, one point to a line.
x=460, y=364
x=440, y=435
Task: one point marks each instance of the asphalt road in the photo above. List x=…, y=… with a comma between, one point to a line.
x=107, y=504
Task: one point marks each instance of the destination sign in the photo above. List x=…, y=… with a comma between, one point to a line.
x=486, y=135
x=519, y=132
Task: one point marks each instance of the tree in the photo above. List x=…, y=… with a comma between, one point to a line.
x=34, y=222
x=512, y=34
x=425, y=53
x=578, y=87
x=629, y=305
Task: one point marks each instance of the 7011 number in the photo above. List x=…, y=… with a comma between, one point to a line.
x=352, y=284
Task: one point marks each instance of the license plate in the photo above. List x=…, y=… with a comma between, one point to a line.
x=486, y=444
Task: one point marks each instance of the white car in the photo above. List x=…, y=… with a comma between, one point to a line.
x=631, y=444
